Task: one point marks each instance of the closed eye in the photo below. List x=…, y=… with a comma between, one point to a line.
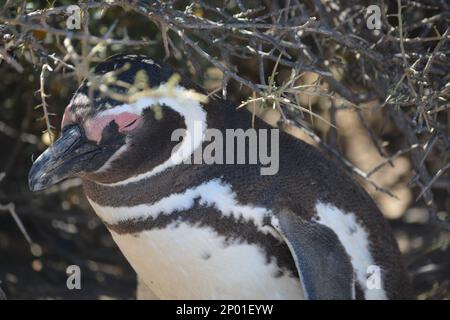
x=131, y=123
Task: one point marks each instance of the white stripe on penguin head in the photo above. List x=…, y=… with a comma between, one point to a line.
x=181, y=101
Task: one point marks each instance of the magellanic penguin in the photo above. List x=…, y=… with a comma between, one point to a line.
x=212, y=230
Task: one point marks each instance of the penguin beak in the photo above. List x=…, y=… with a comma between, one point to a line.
x=69, y=156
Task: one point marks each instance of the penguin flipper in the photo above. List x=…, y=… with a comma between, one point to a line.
x=322, y=263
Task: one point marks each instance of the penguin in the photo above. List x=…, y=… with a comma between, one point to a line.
x=197, y=230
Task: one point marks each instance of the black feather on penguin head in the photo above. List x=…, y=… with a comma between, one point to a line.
x=124, y=68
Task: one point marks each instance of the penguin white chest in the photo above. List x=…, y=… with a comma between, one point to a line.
x=183, y=261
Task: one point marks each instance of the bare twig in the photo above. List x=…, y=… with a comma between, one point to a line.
x=11, y=208
x=43, y=105
x=4, y=55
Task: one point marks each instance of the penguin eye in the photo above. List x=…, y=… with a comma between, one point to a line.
x=127, y=121
x=131, y=124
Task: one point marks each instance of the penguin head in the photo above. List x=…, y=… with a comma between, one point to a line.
x=108, y=137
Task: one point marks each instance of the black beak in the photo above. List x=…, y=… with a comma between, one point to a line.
x=68, y=157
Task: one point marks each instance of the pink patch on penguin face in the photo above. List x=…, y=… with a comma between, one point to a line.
x=126, y=122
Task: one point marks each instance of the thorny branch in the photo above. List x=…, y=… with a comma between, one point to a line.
x=11, y=208
x=43, y=105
